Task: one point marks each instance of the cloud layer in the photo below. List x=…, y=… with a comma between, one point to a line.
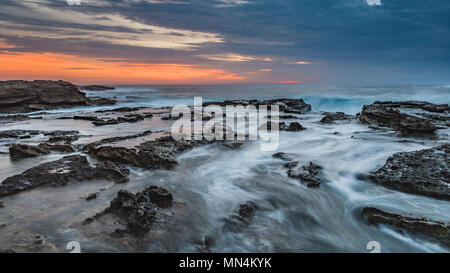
x=235, y=40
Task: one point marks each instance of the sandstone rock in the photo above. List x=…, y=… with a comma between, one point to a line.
x=27, y=96
x=425, y=172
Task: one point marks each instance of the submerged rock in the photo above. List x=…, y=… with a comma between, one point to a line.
x=425, y=172
x=26, y=96
x=419, y=117
x=67, y=170
x=337, y=116
x=135, y=213
x=304, y=173
x=242, y=219
x=435, y=229
x=282, y=156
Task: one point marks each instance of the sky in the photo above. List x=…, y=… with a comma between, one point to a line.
x=226, y=41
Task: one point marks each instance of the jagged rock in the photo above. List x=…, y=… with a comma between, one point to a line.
x=435, y=229
x=112, y=171
x=389, y=114
x=304, y=173
x=295, y=126
x=26, y=96
x=96, y=88
x=135, y=213
x=337, y=116
x=247, y=210
x=67, y=170
x=241, y=220
x=159, y=196
x=425, y=172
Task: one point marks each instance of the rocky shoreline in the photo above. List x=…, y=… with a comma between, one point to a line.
x=425, y=172
x=28, y=96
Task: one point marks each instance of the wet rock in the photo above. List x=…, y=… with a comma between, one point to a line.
x=114, y=139
x=414, y=120
x=18, y=133
x=21, y=151
x=294, y=127
x=282, y=156
x=304, y=173
x=96, y=88
x=273, y=126
x=88, y=118
x=13, y=118
x=337, y=116
x=67, y=170
x=25, y=96
x=1, y=205
x=112, y=171
x=247, y=210
x=159, y=196
x=120, y=109
x=125, y=119
x=425, y=172
x=297, y=106
x=233, y=144
x=434, y=229
x=135, y=213
x=92, y=196
x=237, y=222
x=150, y=154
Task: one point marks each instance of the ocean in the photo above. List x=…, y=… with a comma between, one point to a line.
x=211, y=181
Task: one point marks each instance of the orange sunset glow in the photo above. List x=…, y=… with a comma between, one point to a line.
x=30, y=66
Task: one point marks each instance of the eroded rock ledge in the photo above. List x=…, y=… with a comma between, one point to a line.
x=134, y=214
x=435, y=229
x=407, y=117
x=425, y=172
x=151, y=154
x=67, y=170
x=26, y=96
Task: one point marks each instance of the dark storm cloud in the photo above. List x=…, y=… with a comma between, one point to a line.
x=344, y=36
